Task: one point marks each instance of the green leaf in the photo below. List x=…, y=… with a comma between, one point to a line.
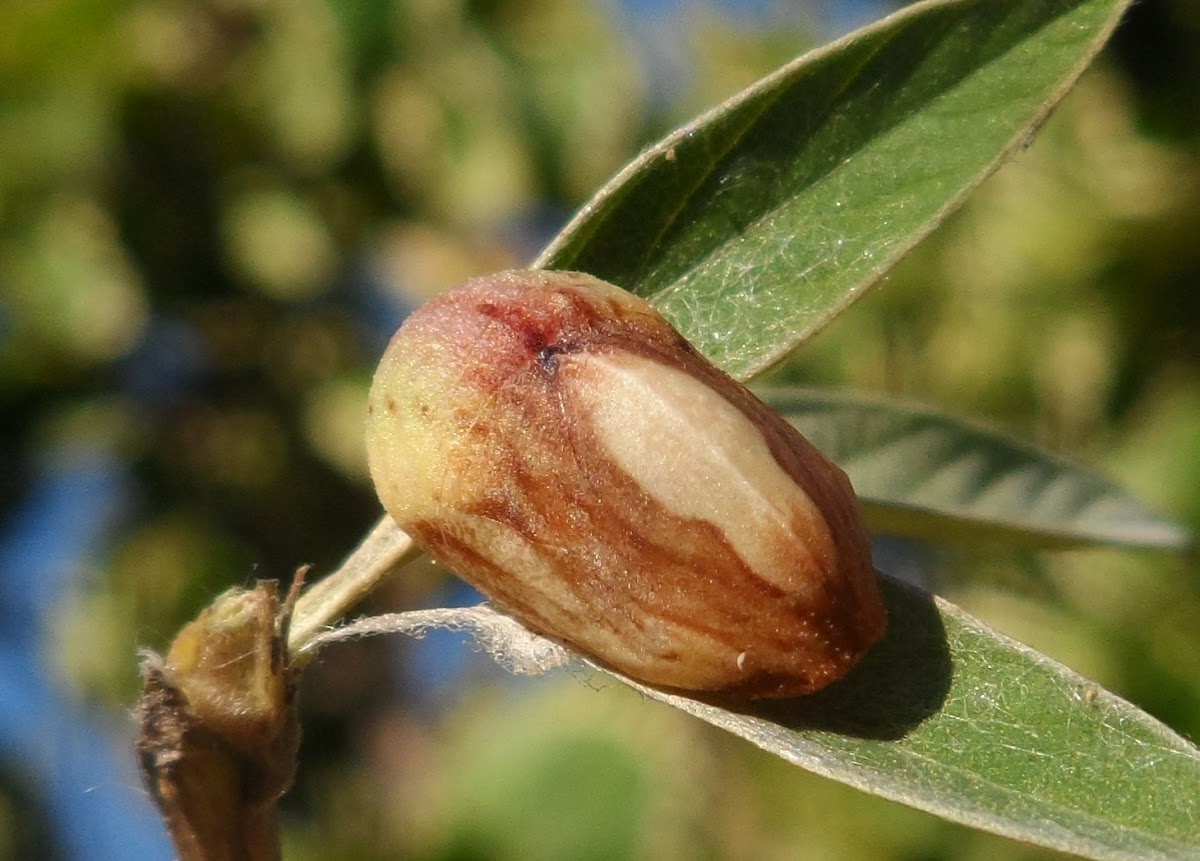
x=751, y=227
x=926, y=474
x=951, y=717
x=945, y=715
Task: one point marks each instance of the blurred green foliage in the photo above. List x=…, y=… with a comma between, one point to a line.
x=210, y=211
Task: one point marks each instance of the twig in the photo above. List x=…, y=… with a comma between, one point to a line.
x=385, y=548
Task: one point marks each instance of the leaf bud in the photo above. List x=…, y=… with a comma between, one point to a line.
x=555, y=442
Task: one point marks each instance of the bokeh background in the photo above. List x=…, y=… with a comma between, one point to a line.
x=214, y=212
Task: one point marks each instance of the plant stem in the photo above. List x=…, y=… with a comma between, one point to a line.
x=384, y=549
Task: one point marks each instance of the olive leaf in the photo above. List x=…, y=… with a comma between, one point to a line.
x=753, y=226
x=951, y=717
x=945, y=715
x=922, y=473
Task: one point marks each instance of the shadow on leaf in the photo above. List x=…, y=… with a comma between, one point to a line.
x=902, y=681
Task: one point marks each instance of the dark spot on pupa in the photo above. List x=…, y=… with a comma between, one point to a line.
x=548, y=360
x=547, y=357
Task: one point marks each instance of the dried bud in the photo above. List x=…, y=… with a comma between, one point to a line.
x=554, y=441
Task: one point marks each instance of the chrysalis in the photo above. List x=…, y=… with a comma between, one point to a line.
x=555, y=442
